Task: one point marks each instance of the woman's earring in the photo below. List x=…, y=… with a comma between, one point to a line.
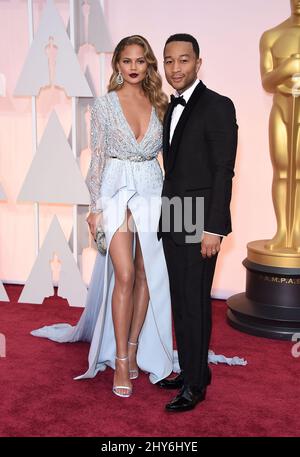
x=119, y=79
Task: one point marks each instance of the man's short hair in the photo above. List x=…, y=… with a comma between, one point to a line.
x=185, y=37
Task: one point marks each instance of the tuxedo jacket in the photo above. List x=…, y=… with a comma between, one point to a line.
x=199, y=162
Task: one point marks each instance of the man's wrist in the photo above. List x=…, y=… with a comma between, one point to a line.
x=215, y=234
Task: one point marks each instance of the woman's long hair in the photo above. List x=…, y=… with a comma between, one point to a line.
x=152, y=84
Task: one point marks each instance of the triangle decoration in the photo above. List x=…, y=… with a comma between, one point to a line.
x=98, y=32
x=40, y=283
x=51, y=60
x=54, y=175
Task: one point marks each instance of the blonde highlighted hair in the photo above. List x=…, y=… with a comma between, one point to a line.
x=152, y=84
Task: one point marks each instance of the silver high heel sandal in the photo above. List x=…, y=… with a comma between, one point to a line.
x=116, y=388
x=133, y=374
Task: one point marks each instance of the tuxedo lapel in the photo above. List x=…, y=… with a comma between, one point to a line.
x=172, y=149
x=166, y=134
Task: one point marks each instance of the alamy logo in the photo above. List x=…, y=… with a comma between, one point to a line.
x=2, y=345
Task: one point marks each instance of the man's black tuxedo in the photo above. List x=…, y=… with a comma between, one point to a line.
x=199, y=162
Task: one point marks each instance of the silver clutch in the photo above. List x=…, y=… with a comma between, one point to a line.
x=101, y=240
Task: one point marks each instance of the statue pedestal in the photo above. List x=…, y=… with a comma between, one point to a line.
x=270, y=307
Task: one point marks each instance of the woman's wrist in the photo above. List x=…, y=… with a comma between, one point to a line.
x=95, y=211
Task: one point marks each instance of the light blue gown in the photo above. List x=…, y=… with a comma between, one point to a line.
x=125, y=174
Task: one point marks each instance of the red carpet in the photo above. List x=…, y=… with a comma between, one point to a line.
x=40, y=398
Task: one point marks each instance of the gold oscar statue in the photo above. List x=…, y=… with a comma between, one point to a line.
x=280, y=72
x=270, y=307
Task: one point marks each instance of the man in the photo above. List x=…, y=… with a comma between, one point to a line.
x=200, y=139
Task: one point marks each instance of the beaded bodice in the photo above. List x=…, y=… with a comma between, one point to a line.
x=113, y=138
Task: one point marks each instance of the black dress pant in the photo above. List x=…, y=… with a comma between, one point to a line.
x=191, y=279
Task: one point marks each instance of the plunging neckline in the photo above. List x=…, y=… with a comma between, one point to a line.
x=128, y=125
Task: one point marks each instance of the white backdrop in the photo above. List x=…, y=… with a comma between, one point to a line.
x=228, y=33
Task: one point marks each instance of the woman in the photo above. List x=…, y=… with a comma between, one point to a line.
x=127, y=316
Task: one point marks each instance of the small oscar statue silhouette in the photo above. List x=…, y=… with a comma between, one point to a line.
x=51, y=51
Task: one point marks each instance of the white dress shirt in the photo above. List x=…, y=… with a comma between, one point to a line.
x=177, y=112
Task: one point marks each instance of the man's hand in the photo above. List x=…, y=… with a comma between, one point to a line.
x=210, y=245
x=93, y=220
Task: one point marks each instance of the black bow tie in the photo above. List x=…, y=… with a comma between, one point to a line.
x=177, y=101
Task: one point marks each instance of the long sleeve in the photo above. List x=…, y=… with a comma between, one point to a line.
x=98, y=156
x=222, y=138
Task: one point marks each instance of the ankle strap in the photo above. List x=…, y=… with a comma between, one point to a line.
x=122, y=358
x=132, y=344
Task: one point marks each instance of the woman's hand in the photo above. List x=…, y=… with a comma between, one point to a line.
x=93, y=220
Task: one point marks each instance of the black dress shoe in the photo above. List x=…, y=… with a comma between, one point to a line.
x=178, y=381
x=186, y=400
x=173, y=383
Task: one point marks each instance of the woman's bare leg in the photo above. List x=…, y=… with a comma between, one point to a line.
x=140, y=304
x=122, y=299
